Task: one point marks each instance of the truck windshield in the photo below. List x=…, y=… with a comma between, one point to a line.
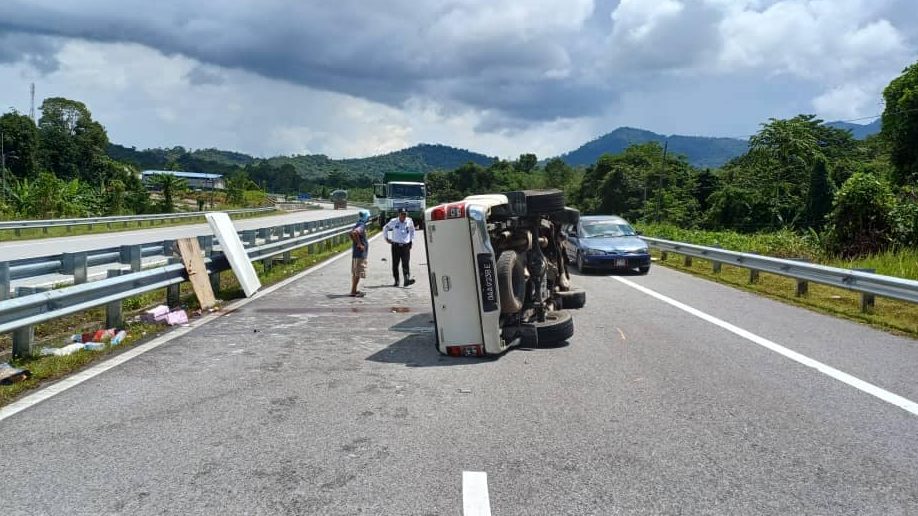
x=406, y=191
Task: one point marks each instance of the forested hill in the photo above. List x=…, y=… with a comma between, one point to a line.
x=700, y=151
x=857, y=130
x=420, y=158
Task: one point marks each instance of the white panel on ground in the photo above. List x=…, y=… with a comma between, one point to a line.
x=232, y=247
x=475, y=500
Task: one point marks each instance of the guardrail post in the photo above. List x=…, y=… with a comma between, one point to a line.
x=114, y=315
x=169, y=248
x=265, y=234
x=75, y=265
x=249, y=237
x=132, y=254
x=174, y=292
x=663, y=256
x=716, y=266
x=4, y=280
x=17, y=232
x=753, y=276
x=868, y=301
x=687, y=261
x=803, y=286
x=207, y=245
x=23, y=338
x=44, y=230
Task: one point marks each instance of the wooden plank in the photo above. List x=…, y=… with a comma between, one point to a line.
x=197, y=271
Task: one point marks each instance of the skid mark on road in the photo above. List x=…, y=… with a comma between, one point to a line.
x=827, y=370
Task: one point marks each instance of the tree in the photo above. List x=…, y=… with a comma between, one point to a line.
x=527, y=163
x=558, y=174
x=169, y=185
x=861, y=218
x=20, y=144
x=900, y=125
x=72, y=144
x=819, y=196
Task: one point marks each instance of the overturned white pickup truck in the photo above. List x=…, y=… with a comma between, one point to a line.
x=498, y=274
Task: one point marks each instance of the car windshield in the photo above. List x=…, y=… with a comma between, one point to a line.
x=606, y=229
x=406, y=191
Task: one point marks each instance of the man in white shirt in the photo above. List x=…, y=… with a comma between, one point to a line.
x=399, y=233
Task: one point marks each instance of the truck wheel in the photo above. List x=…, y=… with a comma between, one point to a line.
x=572, y=299
x=539, y=202
x=557, y=327
x=511, y=282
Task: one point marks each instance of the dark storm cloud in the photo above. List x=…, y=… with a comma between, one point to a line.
x=38, y=51
x=511, y=61
x=386, y=52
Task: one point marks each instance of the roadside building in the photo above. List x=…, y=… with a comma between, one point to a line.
x=195, y=180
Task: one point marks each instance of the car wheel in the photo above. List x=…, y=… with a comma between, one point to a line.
x=572, y=299
x=511, y=282
x=544, y=201
x=557, y=327
x=644, y=270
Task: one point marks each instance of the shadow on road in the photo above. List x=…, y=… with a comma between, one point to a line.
x=600, y=272
x=418, y=347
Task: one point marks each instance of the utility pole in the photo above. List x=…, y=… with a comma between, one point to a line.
x=3, y=166
x=660, y=186
x=32, y=103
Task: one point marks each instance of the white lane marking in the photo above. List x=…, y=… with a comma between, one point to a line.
x=827, y=370
x=475, y=500
x=73, y=381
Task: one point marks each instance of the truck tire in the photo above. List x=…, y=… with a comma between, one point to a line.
x=511, y=282
x=539, y=202
x=557, y=327
x=572, y=299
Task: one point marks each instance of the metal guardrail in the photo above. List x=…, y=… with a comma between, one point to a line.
x=863, y=281
x=32, y=306
x=19, y=225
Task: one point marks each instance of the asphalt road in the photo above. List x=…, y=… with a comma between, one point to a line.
x=17, y=249
x=307, y=401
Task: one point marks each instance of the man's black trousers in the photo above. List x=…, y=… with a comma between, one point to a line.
x=400, y=253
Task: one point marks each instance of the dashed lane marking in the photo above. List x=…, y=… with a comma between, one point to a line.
x=475, y=500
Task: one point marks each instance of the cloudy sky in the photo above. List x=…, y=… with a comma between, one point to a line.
x=352, y=78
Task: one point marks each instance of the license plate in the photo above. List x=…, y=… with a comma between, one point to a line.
x=488, y=280
x=621, y=262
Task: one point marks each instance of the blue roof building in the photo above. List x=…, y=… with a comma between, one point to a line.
x=195, y=180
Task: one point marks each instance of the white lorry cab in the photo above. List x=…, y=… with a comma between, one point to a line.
x=498, y=274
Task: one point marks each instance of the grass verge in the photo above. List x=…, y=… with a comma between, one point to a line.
x=49, y=368
x=887, y=314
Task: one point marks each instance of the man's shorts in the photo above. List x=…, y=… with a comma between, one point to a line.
x=359, y=268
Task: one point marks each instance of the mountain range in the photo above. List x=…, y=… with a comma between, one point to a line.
x=700, y=151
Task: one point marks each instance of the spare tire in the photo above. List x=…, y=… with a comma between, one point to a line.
x=511, y=282
x=539, y=202
x=557, y=327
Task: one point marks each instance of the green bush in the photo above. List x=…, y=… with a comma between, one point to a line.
x=861, y=221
